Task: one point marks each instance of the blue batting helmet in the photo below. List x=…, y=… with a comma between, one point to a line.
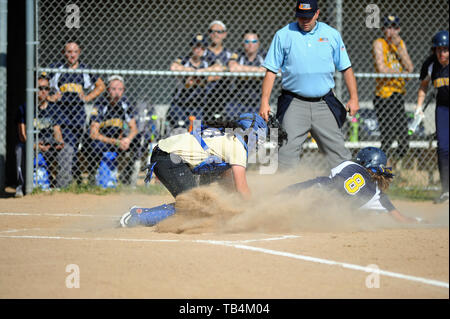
x=440, y=39
x=374, y=159
x=256, y=124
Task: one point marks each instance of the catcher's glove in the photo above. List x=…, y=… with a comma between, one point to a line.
x=274, y=123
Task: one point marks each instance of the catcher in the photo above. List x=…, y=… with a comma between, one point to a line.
x=210, y=151
x=363, y=182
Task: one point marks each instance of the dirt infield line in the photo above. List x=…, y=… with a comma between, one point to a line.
x=235, y=244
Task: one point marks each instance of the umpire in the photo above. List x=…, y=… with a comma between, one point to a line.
x=308, y=52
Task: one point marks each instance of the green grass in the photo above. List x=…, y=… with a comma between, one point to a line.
x=412, y=193
x=394, y=192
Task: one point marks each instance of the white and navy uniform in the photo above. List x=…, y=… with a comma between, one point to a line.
x=112, y=120
x=71, y=116
x=354, y=183
x=222, y=58
x=44, y=122
x=439, y=77
x=70, y=85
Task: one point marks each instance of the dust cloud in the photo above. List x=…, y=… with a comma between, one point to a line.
x=213, y=209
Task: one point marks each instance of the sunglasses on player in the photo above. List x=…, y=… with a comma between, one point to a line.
x=44, y=88
x=250, y=41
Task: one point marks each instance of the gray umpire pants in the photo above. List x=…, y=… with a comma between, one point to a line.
x=302, y=117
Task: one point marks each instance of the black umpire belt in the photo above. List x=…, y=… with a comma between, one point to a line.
x=303, y=98
x=336, y=107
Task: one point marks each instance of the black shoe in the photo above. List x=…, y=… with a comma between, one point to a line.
x=441, y=199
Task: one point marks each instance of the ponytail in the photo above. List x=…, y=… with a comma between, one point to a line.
x=383, y=181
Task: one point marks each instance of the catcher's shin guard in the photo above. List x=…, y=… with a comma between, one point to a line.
x=146, y=216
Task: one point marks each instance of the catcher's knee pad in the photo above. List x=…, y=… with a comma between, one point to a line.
x=151, y=216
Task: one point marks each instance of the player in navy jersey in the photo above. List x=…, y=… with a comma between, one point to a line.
x=189, y=97
x=246, y=91
x=49, y=137
x=362, y=182
x=110, y=115
x=72, y=91
x=435, y=69
x=216, y=53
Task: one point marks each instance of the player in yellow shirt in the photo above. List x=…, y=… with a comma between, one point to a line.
x=391, y=56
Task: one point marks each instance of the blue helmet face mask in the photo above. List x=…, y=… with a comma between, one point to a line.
x=254, y=127
x=374, y=159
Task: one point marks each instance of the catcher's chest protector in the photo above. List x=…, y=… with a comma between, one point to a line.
x=213, y=164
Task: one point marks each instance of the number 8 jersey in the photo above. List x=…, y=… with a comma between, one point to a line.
x=354, y=182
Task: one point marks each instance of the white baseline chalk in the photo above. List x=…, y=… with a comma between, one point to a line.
x=331, y=262
x=128, y=239
x=88, y=238
x=59, y=215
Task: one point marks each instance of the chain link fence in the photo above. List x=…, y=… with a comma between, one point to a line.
x=146, y=42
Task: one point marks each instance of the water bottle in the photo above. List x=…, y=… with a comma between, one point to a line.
x=354, y=128
x=418, y=117
x=106, y=176
x=154, y=129
x=191, y=122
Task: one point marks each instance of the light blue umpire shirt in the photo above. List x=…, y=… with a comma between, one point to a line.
x=307, y=60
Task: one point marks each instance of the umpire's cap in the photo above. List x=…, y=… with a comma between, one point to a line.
x=440, y=39
x=306, y=8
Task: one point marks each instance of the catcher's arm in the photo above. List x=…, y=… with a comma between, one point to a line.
x=240, y=181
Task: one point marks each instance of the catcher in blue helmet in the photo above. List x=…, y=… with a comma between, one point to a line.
x=218, y=149
x=363, y=182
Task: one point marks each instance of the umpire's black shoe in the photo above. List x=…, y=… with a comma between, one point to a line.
x=441, y=199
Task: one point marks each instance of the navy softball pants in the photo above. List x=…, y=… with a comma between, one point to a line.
x=442, y=133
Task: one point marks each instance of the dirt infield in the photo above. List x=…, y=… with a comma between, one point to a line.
x=41, y=235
